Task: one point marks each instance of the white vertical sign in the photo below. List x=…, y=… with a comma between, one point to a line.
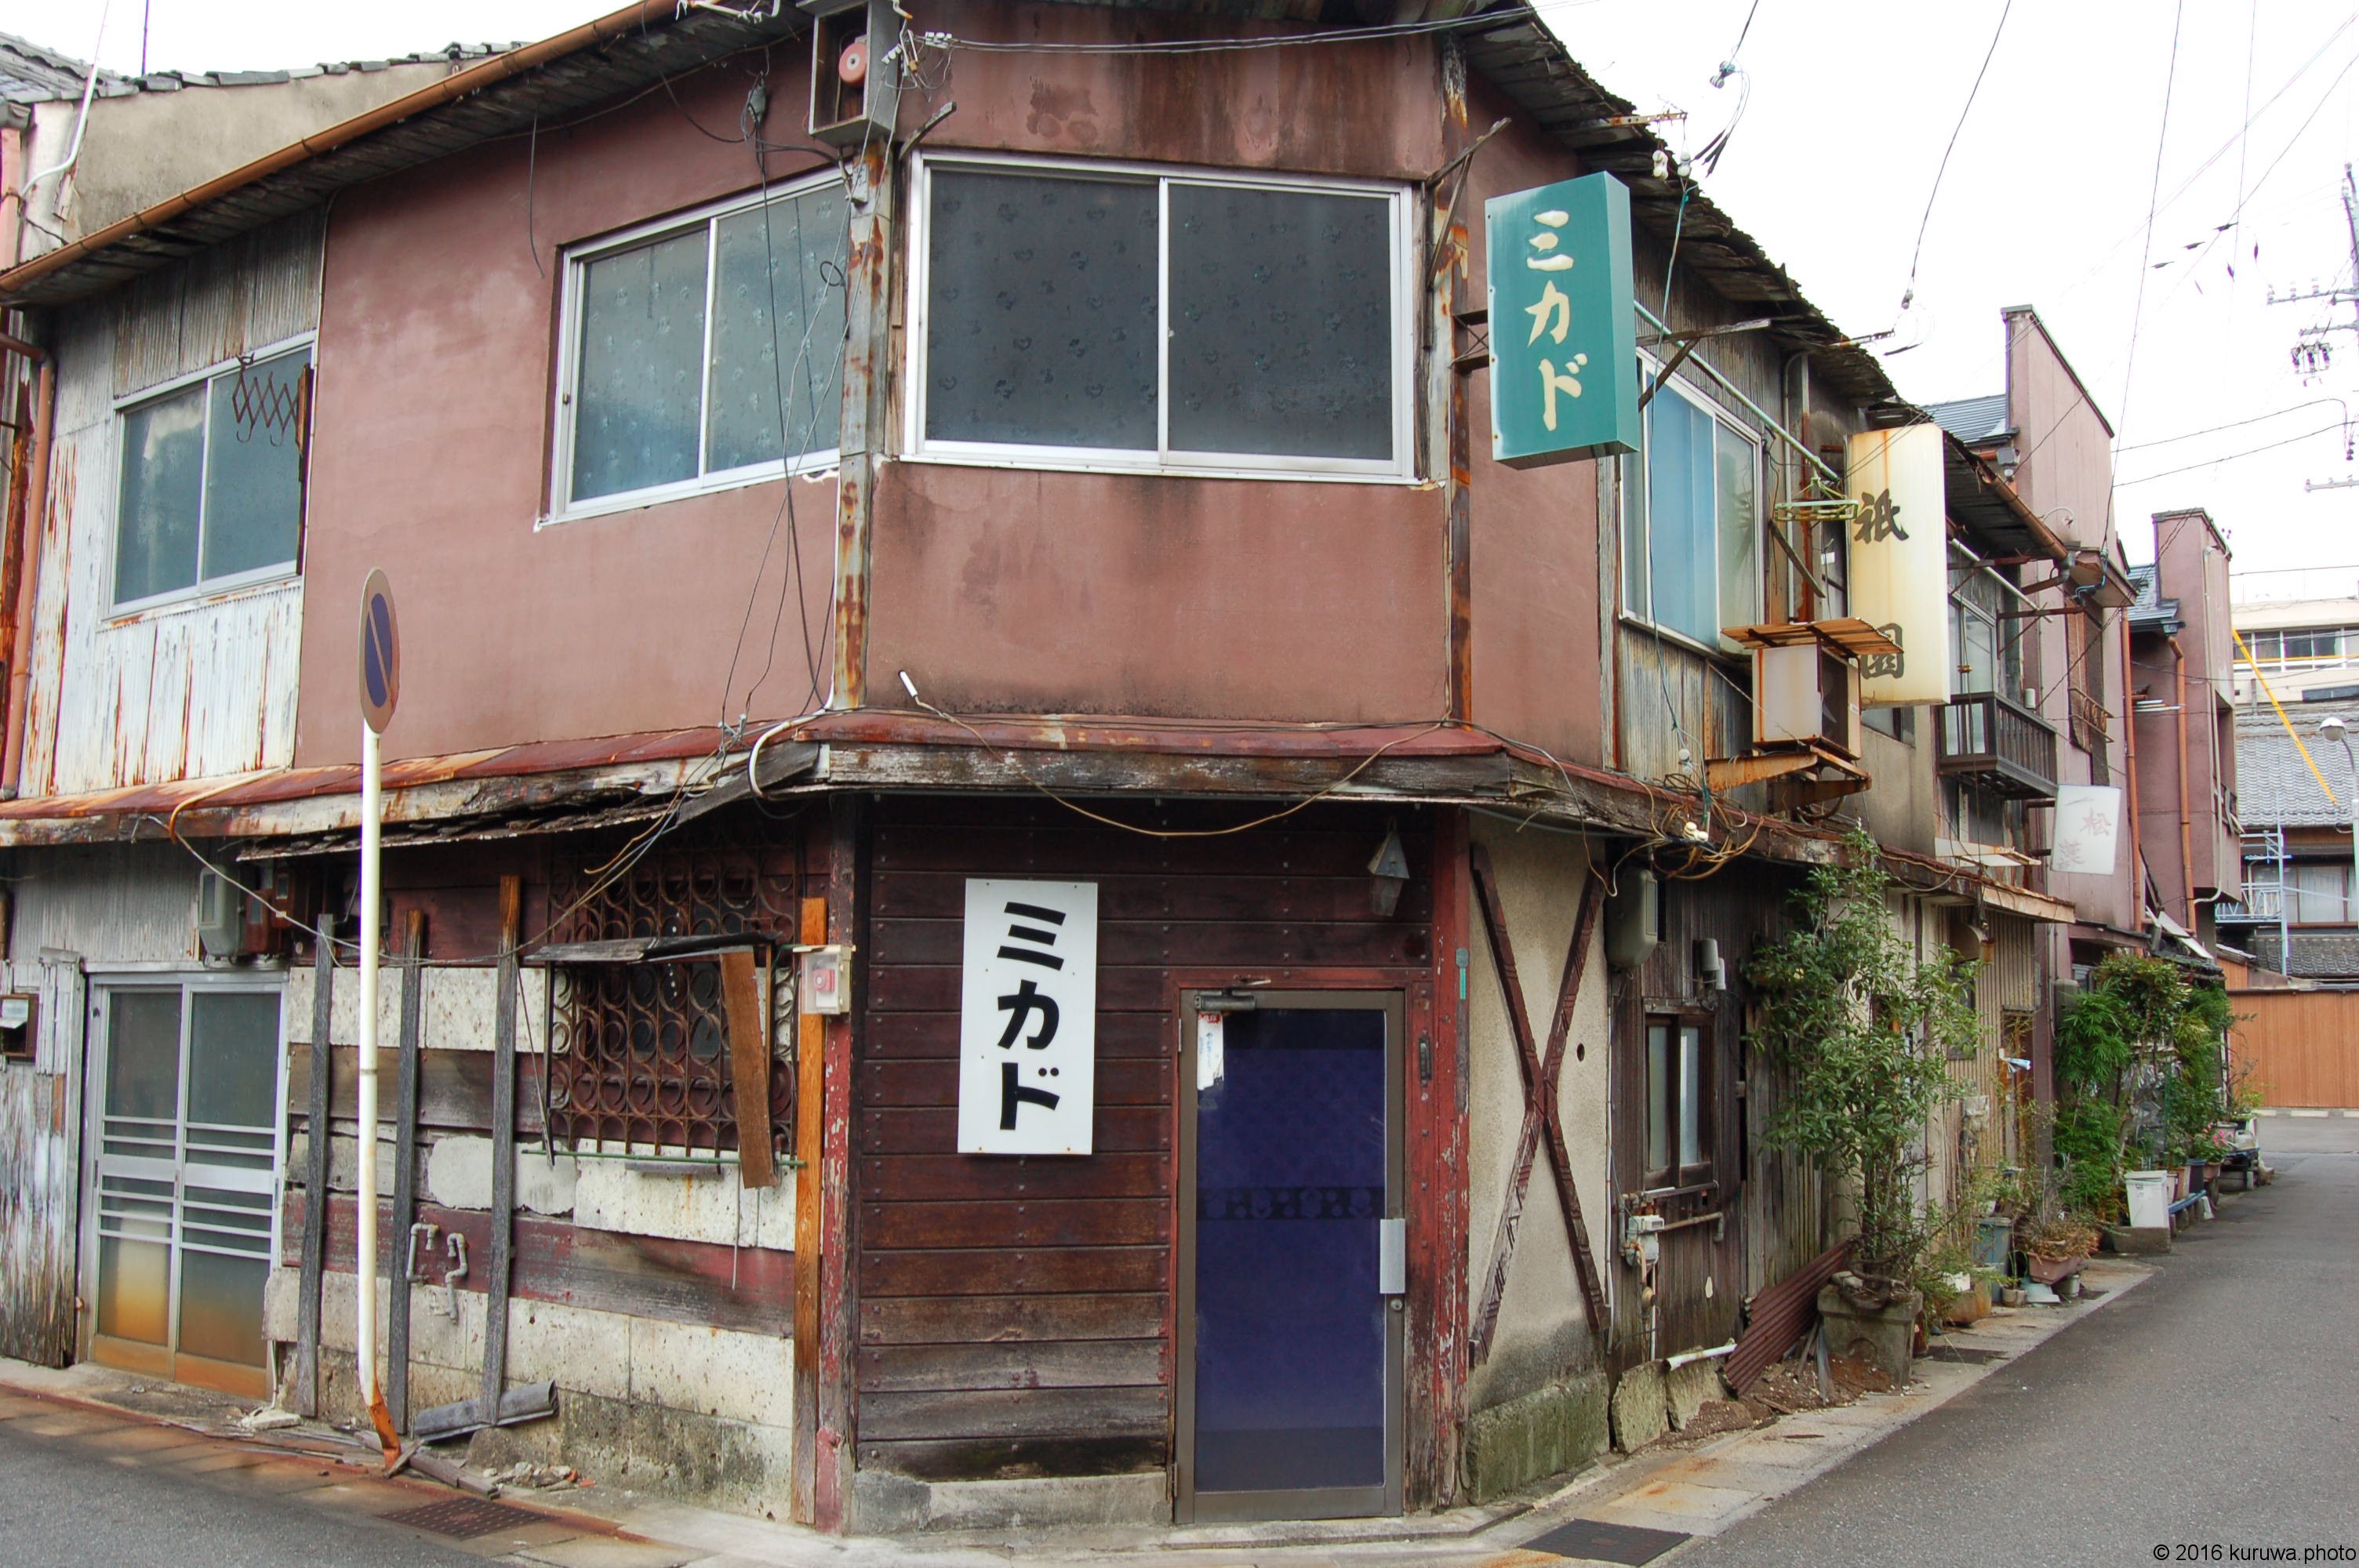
x=2087, y=820
x=1900, y=562
x=1027, y=1017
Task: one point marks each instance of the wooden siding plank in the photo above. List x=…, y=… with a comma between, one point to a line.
x=1117, y=1130
x=1017, y=1412
x=747, y=1289
x=930, y=1178
x=1075, y=1364
x=914, y=1085
x=1146, y=895
x=912, y=1036
x=1041, y=1271
x=965, y=1459
x=312, y=1258
x=934, y=1320
x=1066, y=1222
x=454, y=1089
x=1129, y=943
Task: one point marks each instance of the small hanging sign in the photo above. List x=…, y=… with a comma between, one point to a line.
x=1027, y=1017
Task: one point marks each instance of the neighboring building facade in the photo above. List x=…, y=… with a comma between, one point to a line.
x=787, y=547
x=2181, y=654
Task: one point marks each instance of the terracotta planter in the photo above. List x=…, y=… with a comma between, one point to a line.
x=2050, y=1272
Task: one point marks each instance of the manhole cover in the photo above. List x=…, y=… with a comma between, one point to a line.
x=1602, y=1543
x=462, y=1518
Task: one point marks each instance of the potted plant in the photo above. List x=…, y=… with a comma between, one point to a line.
x=1862, y=1030
x=2055, y=1246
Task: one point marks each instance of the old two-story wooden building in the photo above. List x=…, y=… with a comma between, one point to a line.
x=875, y=502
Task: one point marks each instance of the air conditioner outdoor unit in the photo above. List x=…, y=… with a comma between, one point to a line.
x=1806, y=693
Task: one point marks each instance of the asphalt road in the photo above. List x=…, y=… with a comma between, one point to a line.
x=2214, y=1406
x=62, y=1500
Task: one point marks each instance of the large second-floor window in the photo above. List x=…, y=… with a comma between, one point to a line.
x=1691, y=523
x=1106, y=316
x=212, y=491
x=703, y=351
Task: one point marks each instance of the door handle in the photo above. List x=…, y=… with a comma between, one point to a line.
x=1392, y=1257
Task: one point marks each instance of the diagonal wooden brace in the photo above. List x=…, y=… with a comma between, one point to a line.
x=1541, y=1072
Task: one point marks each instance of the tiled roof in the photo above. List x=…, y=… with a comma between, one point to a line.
x=2316, y=955
x=2150, y=611
x=1973, y=420
x=32, y=74
x=2275, y=787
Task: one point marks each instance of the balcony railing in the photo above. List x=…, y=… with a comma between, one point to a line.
x=2000, y=745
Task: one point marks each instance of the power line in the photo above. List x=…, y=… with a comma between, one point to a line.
x=2237, y=424
x=2154, y=193
x=1909, y=292
x=2231, y=457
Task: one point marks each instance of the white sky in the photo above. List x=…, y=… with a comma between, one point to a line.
x=2044, y=203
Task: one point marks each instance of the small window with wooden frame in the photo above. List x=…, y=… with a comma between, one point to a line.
x=1679, y=1101
x=671, y=979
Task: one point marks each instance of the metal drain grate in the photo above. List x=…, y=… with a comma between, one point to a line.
x=462, y=1518
x=1602, y=1543
x=1969, y=1355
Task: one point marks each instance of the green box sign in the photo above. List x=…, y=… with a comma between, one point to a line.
x=1564, y=348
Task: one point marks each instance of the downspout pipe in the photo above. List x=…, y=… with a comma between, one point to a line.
x=2186, y=819
x=27, y=527
x=81, y=118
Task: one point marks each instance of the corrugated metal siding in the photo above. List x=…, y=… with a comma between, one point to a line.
x=195, y=690
x=236, y=298
x=41, y=1120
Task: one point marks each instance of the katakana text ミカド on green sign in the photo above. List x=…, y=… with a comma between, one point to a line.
x=1564, y=381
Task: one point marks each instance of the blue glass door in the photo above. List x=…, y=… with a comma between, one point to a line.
x=1289, y=1410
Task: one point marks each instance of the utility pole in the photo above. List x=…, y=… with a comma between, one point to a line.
x=2313, y=349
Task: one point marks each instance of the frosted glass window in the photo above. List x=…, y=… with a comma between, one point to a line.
x=1690, y=1095
x=163, y=493
x=1661, y=1084
x=777, y=321
x=1692, y=522
x=1681, y=510
x=212, y=479
x=713, y=348
x=1281, y=322
x=1041, y=320
x=1155, y=320
x=143, y=1055
x=232, y=1057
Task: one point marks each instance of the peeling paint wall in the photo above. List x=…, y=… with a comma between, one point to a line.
x=1543, y=1331
x=76, y=910
x=202, y=686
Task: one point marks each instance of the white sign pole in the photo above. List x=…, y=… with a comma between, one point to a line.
x=380, y=690
x=372, y=835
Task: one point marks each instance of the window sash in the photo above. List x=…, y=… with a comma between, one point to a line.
x=1677, y=1121
x=203, y=384
x=1164, y=457
x=1723, y=466
x=707, y=223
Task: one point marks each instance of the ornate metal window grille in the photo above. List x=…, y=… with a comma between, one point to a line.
x=639, y=1052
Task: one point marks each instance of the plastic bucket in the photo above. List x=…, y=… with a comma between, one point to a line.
x=2149, y=1192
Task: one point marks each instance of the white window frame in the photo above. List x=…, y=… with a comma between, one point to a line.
x=576, y=260
x=1400, y=468
x=1650, y=367
x=205, y=588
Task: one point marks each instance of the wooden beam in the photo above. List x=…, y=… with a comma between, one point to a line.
x=404, y=1168
x=847, y=876
x=749, y=1066
x=810, y=1099
x=502, y=1263
x=304, y=1398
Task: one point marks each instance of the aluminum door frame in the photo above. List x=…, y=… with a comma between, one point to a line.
x=99, y=987
x=1189, y=1506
